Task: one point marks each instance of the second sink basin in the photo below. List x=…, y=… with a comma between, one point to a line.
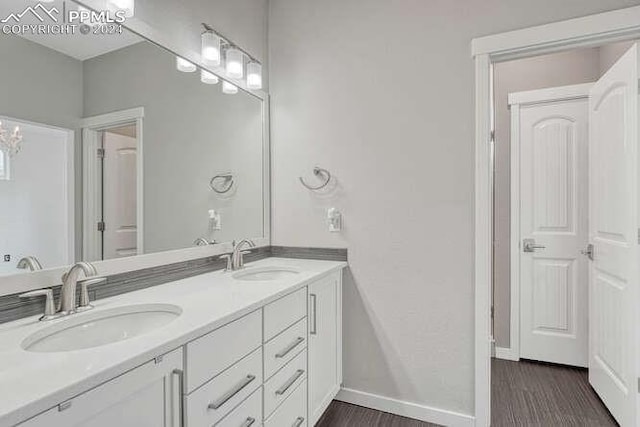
x=95, y=329
x=262, y=274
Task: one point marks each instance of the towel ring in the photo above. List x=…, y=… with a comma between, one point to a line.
x=227, y=182
x=318, y=171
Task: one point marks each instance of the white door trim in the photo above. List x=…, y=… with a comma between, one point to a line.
x=91, y=194
x=516, y=101
x=596, y=29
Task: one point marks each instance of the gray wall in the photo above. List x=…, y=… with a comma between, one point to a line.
x=39, y=84
x=191, y=132
x=561, y=69
x=381, y=93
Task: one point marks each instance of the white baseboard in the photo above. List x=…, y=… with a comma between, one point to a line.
x=405, y=409
x=506, y=354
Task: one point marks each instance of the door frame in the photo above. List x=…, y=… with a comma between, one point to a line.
x=593, y=30
x=516, y=101
x=92, y=192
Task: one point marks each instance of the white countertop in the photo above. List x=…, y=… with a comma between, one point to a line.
x=31, y=382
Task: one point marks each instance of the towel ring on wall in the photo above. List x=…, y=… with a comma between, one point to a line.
x=318, y=171
x=225, y=179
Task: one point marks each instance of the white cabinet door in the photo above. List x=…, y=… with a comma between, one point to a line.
x=613, y=228
x=148, y=396
x=553, y=139
x=325, y=343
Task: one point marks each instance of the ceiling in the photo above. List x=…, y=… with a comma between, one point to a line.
x=77, y=45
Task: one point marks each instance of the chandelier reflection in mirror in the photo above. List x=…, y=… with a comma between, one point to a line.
x=10, y=144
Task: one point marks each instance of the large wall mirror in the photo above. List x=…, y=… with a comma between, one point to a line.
x=110, y=151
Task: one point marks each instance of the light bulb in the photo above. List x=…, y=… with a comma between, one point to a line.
x=254, y=75
x=234, y=63
x=208, y=78
x=229, y=88
x=184, y=65
x=127, y=5
x=211, y=49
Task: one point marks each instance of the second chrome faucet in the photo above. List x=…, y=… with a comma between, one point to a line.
x=235, y=260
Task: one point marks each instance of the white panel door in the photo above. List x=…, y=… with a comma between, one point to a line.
x=613, y=225
x=553, y=216
x=119, y=196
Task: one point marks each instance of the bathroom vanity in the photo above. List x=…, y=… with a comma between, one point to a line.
x=261, y=346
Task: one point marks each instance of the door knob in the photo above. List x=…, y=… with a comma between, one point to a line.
x=588, y=252
x=529, y=245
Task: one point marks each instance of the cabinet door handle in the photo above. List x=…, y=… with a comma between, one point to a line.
x=282, y=390
x=314, y=318
x=298, y=422
x=229, y=395
x=290, y=347
x=248, y=422
x=178, y=414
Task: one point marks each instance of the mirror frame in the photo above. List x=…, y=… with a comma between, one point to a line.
x=23, y=282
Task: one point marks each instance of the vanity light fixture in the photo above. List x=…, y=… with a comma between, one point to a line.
x=234, y=63
x=10, y=144
x=229, y=88
x=211, y=48
x=254, y=75
x=208, y=78
x=127, y=5
x=218, y=50
x=184, y=65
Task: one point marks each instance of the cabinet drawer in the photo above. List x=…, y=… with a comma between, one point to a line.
x=293, y=412
x=284, y=347
x=211, y=354
x=249, y=413
x=211, y=402
x=282, y=384
x=286, y=311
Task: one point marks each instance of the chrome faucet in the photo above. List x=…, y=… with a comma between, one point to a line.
x=68, y=301
x=201, y=241
x=29, y=262
x=68, y=298
x=235, y=260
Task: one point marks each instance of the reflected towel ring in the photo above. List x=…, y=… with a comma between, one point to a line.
x=318, y=171
x=227, y=182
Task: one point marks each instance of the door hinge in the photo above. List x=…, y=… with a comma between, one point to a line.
x=101, y=226
x=639, y=236
x=492, y=136
x=100, y=153
x=493, y=312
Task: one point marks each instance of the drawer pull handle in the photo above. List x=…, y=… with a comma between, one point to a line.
x=177, y=396
x=314, y=317
x=282, y=390
x=229, y=395
x=290, y=347
x=248, y=422
x=298, y=422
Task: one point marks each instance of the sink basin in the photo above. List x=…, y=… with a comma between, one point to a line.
x=262, y=274
x=95, y=329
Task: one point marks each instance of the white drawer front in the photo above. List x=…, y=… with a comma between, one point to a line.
x=284, y=347
x=293, y=412
x=213, y=353
x=211, y=402
x=248, y=414
x=286, y=311
x=282, y=384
